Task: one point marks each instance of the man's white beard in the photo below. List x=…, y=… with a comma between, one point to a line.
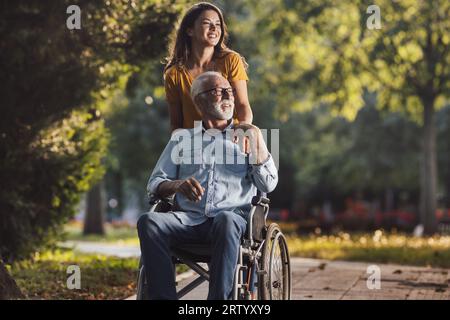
x=217, y=112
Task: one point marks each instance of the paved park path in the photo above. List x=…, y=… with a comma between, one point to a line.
x=121, y=251
x=336, y=280
x=340, y=280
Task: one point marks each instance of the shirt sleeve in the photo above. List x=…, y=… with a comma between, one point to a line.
x=236, y=69
x=265, y=175
x=165, y=169
x=172, y=89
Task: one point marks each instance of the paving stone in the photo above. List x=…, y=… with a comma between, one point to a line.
x=335, y=280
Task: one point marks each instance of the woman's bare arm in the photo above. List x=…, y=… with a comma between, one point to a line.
x=242, y=105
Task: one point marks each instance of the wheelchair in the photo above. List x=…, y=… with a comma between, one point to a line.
x=263, y=271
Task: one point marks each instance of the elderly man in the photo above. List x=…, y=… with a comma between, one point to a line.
x=213, y=192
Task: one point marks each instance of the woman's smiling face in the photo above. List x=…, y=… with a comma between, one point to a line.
x=207, y=29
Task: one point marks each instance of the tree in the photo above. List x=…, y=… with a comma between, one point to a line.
x=140, y=115
x=323, y=52
x=443, y=146
x=8, y=287
x=52, y=141
x=95, y=211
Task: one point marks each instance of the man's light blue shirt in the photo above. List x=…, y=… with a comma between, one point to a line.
x=218, y=164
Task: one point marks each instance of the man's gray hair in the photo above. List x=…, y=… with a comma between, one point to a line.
x=197, y=85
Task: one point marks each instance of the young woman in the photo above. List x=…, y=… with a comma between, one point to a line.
x=199, y=46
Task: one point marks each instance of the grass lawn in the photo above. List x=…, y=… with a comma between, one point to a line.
x=374, y=247
x=114, y=233
x=102, y=277
x=377, y=246
x=45, y=276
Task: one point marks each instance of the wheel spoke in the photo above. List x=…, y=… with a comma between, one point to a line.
x=276, y=282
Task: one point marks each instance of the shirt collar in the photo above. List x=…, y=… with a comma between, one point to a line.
x=229, y=126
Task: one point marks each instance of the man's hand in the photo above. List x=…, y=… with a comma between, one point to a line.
x=191, y=189
x=252, y=142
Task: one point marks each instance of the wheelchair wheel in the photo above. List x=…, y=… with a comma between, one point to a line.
x=275, y=276
x=141, y=292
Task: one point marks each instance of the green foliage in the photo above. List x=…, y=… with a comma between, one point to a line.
x=322, y=51
x=54, y=80
x=140, y=116
x=333, y=156
x=305, y=55
x=61, y=163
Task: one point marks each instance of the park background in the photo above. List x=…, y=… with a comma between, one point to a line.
x=363, y=113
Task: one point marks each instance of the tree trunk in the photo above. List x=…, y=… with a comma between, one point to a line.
x=428, y=171
x=447, y=177
x=94, y=217
x=119, y=192
x=8, y=287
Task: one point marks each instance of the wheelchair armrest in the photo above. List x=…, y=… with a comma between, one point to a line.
x=260, y=199
x=256, y=224
x=161, y=204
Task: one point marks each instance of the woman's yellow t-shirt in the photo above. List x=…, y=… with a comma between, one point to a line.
x=178, y=81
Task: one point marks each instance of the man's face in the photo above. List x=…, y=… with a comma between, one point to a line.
x=216, y=98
